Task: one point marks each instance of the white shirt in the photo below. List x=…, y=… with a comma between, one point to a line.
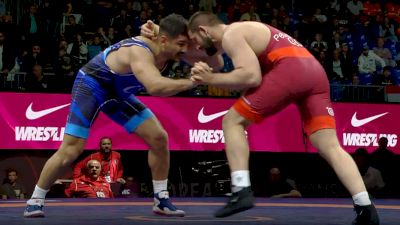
x=367, y=64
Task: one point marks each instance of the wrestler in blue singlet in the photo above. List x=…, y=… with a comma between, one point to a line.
x=97, y=88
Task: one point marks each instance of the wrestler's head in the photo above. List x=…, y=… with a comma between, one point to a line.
x=199, y=24
x=173, y=36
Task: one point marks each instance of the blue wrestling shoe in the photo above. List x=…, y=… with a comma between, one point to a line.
x=163, y=206
x=366, y=215
x=34, y=208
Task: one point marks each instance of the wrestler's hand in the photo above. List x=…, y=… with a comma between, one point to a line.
x=149, y=30
x=201, y=73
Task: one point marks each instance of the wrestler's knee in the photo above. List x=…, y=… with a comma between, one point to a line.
x=325, y=140
x=70, y=149
x=158, y=140
x=233, y=118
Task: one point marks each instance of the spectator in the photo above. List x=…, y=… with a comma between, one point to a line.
x=319, y=17
x=383, y=52
x=72, y=28
x=265, y=11
x=78, y=51
x=278, y=186
x=110, y=160
x=94, y=46
x=383, y=159
x=337, y=71
x=334, y=7
x=222, y=14
x=121, y=20
x=249, y=14
x=105, y=37
x=36, y=81
x=346, y=58
x=372, y=177
x=335, y=42
x=236, y=10
x=9, y=28
x=111, y=36
x=34, y=57
x=11, y=189
x=288, y=27
x=367, y=61
x=133, y=8
x=207, y=5
x=7, y=58
x=318, y=44
x=137, y=23
x=387, y=30
x=386, y=78
x=355, y=7
x=90, y=184
x=31, y=24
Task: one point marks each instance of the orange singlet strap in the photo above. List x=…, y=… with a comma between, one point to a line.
x=290, y=51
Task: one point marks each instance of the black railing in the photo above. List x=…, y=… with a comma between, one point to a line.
x=338, y=92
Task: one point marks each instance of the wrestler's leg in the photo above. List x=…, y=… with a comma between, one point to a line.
x=328, y=146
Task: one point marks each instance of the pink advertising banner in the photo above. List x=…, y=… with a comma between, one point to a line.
x=36, y=121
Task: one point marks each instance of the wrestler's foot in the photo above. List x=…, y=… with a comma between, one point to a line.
x=366, y=215
x=34, y=208
x=163, y=205
x=238, y=202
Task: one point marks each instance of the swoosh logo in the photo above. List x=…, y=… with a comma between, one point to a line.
x=33, y=115
x=358, y=123
x=207, y=118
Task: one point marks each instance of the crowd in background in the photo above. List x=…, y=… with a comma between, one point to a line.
x=356, y=41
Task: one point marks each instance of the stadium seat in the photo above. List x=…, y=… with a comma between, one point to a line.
x=366, y=78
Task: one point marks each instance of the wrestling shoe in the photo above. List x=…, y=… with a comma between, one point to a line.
x=238, y=202
x=366, y=215
x=34, y=208
x=163, y=205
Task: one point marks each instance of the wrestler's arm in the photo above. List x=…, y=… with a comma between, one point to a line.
x=142, y=65
x=247, y=72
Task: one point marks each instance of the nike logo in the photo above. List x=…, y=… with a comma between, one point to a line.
x=207, y=118
x=33, y=115
x=358, y=123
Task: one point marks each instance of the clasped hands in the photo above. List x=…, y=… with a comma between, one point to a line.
x=201, y=73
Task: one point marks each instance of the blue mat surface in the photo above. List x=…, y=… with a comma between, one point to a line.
x=198, y=210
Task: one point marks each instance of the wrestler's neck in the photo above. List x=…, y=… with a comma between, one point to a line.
x=161, y=57
x=217, y=33
x=154, y=45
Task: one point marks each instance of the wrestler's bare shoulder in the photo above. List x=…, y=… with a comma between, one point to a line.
x=120, y=60
x=256, y=34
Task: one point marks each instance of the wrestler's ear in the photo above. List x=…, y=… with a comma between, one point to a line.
x=163, y=39
x=203, y=29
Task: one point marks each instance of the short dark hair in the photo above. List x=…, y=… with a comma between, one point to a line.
x=203, y=18
x=9, y=170
x=173, y=25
